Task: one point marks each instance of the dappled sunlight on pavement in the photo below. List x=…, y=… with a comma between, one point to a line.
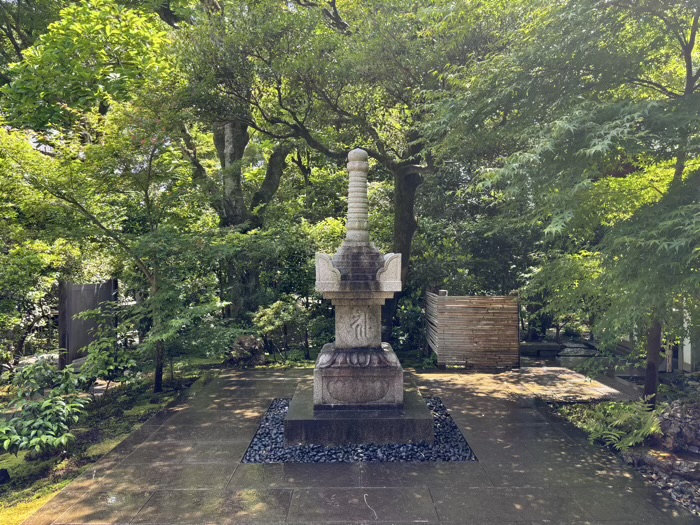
x=184, y=465
x=550, y=384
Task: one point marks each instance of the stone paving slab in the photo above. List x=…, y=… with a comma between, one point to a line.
x=362, y=504
x=217, y=451
x=221, y=507
x=297, y=475
x=183, y=466
x=508, y=504
x=457, y=475
x=105, y=507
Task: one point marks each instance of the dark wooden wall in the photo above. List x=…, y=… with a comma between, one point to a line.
x=75, y=334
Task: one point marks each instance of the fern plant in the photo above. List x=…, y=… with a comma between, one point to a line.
x=620, y=425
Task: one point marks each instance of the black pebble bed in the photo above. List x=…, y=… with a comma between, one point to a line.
x=268, y=443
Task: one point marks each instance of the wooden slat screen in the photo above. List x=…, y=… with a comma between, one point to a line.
x=476, y=332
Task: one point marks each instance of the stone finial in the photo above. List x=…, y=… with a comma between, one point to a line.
x=358, y=155
x=358, y=205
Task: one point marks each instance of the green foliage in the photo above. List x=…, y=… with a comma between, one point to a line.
x=109, y=355
x=42, y=378
x=681, y=387
x=588, y=135
x=418, y=360
x=247, y=351
x=620, y=425
x=23, y=23
x=321, y=325
x=35, y=251
x=327, y=235
x=567, y=290
x=98, y=52
x=48, y=403
x=283, y=324
x=205, y=337
x=408, y=332
x=29, y=271
x=101, y=428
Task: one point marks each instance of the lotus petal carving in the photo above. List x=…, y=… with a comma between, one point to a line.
x=361, y=358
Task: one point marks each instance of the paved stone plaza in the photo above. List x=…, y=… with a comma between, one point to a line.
x=183, y=466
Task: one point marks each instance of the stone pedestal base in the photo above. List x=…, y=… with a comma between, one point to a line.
x=352, y=379
x=306, y=426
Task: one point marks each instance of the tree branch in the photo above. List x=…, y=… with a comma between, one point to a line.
x=655, y=86
x=333, y=16
x=11, y=37
x=112, y=235
x=199, y=172
x=691, y=77
x=273, y=175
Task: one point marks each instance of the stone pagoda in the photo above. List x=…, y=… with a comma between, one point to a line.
x=358, y=392
x=357, y=370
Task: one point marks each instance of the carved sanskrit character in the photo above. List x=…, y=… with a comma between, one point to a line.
x=359, y=325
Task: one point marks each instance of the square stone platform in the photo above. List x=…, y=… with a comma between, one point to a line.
x=410, y=424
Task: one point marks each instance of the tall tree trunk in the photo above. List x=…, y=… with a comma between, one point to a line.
x=159, y=358
x=681, y=159
x=239, y=283
x=405, y=226
x=159, y=350
x=231, y=139
x=651, y=382
x=271, y=183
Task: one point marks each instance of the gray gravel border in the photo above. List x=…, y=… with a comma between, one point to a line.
x=267, y=445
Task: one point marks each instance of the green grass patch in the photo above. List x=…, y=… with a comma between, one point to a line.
x=99, y=449
x=198, y=363
x=142, y=411
x=17, y=513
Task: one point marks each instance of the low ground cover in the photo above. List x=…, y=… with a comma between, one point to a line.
x=662, y=443
x=37, y=477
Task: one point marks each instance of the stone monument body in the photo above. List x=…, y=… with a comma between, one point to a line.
x=357, y=370
x=358, y=393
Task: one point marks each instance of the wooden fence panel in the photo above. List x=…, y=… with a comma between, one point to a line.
x=474, y=332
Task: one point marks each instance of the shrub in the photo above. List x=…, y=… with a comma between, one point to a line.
x=618, y=424
x=110, y=355
x=48, y=403
x=282, y=324
x=408, y=331
x=247, y=351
